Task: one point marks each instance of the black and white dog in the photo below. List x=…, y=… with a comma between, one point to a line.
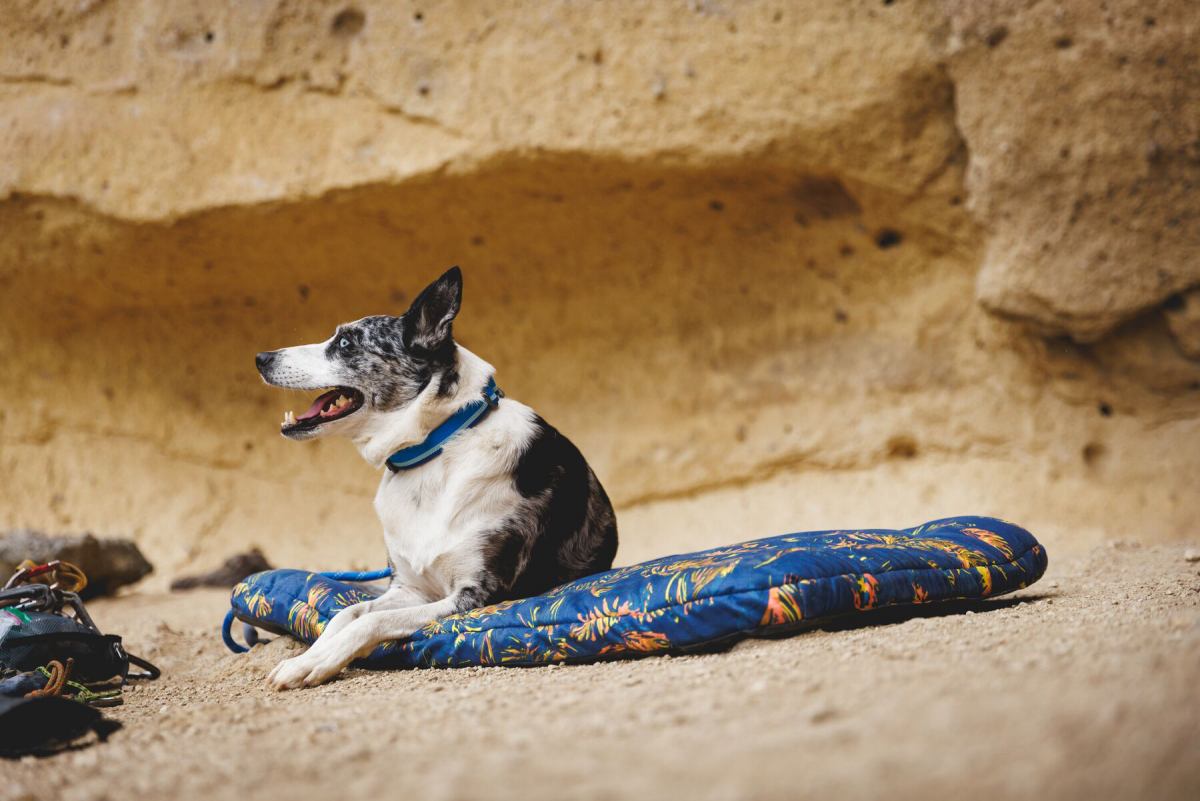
x=508, y=509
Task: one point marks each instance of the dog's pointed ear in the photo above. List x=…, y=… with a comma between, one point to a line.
x=428, y=321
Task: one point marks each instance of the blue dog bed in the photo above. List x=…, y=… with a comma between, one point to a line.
x=680, y=603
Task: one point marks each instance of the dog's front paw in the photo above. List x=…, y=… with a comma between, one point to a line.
x=288, y=674
x=302, y=671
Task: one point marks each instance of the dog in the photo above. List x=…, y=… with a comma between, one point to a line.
x=507, y=508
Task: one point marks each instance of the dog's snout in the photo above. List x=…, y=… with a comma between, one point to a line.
x=263, y=360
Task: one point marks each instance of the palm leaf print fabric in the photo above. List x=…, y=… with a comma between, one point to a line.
x=679, y=603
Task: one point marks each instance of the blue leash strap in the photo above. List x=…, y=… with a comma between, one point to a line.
x=227, y=635
x=466, y=417
x=352, y=575
x=336, y=575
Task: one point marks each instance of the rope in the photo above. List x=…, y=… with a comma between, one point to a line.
x=58, y=683
x=67, y=577
x=57, y=675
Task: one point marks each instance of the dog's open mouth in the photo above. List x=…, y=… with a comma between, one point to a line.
x=333, y=405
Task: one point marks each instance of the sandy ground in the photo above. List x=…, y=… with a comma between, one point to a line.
x=1084, y=686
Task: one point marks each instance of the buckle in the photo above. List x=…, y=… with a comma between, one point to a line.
x=492, y=393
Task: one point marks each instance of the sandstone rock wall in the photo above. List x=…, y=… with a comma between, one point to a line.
x=1083, y=122
x=772, y=265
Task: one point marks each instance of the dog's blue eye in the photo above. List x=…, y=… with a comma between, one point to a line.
x=343, y=343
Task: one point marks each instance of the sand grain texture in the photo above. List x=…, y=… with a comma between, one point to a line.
x=1080, y=687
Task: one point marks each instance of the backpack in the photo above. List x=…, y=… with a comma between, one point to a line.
x=34, y=631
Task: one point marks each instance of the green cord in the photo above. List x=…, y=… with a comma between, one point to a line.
x=85, y=695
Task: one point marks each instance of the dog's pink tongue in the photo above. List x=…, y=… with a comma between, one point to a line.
x=318, y=405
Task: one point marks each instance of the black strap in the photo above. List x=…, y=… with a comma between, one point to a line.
x=152, y=671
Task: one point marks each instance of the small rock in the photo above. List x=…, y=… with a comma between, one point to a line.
x=235, y=568
x=108, y=563
x=822, y=714
x=1191, y=555
x=358, y=754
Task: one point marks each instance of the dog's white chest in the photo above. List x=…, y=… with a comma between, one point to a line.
x=437, y=518
x=424, y=532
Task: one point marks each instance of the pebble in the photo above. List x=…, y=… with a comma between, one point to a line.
x=1191, y=555
x=821, y=714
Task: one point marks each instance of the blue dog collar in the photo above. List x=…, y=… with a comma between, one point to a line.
x=466, y=417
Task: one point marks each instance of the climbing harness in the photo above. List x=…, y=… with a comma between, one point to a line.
x=43, y=620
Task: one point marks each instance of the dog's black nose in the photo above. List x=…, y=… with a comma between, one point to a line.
x=264, y=359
